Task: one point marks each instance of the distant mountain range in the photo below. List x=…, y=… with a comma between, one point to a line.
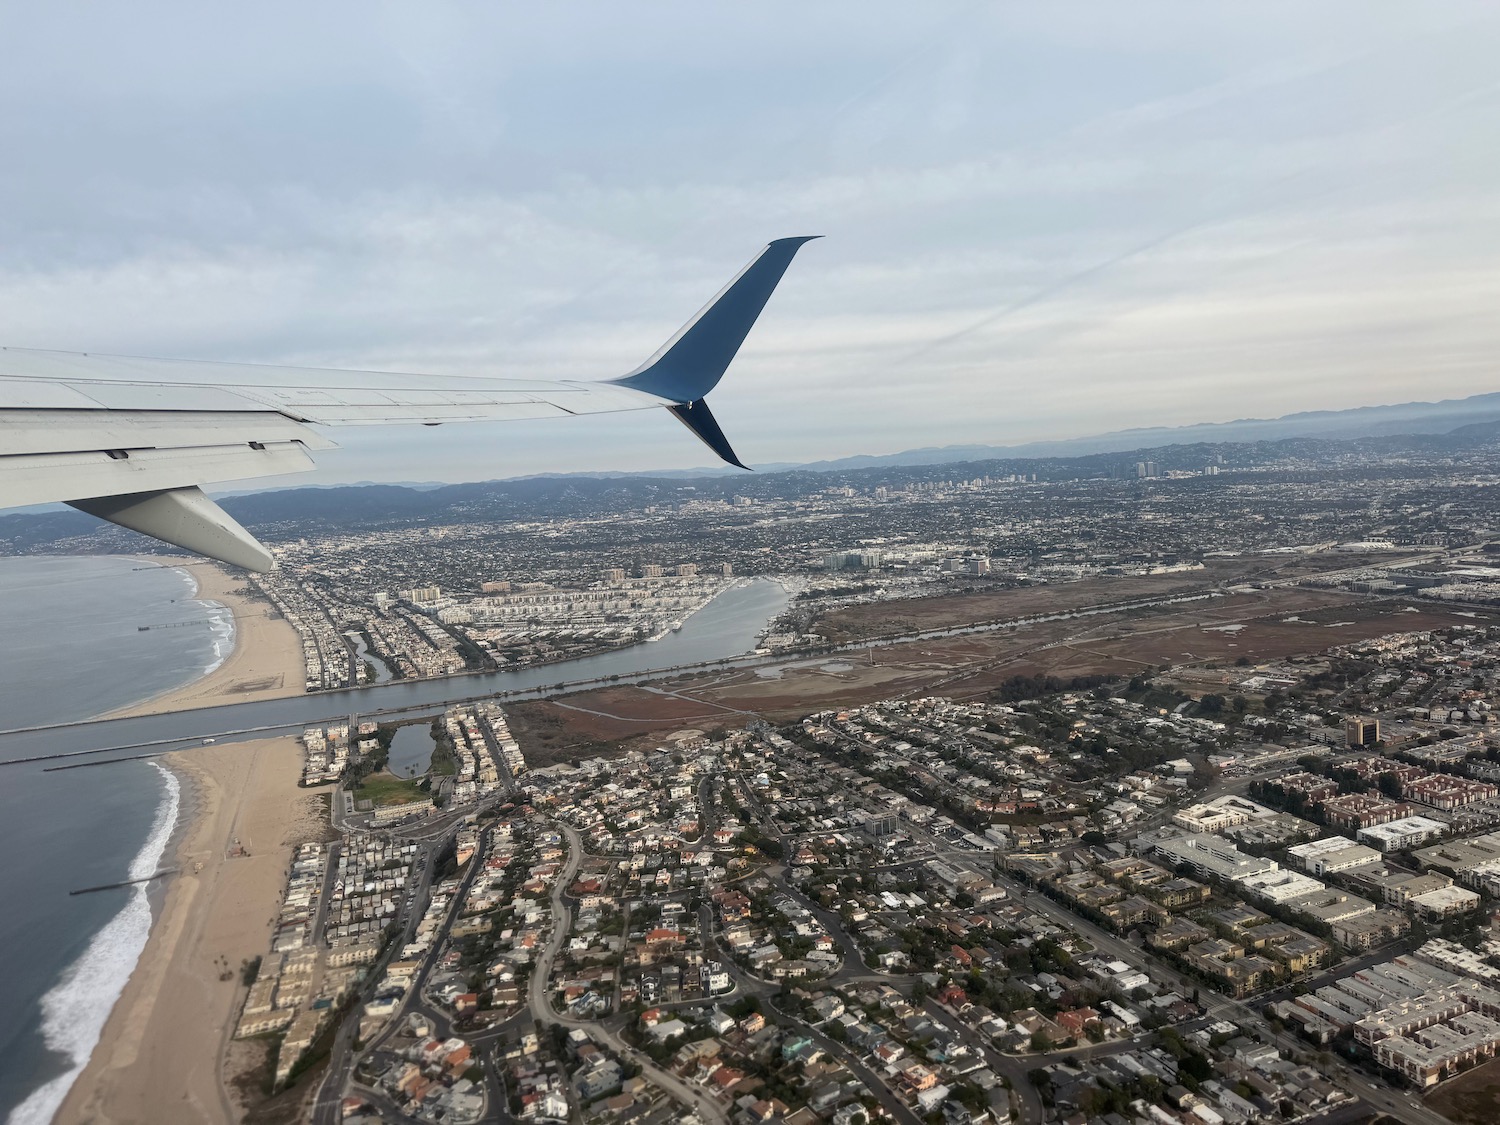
x=1416, y=427
x=1337, y=425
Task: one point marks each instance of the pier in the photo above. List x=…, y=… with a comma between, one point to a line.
x=125, y=882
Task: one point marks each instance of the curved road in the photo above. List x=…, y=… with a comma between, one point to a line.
x=541, y=1002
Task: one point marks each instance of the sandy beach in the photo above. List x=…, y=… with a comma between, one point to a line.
x=266, y=662
x=159, y=1058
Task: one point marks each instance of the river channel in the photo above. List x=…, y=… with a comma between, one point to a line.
x=724, y=629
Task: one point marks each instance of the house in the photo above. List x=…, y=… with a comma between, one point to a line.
x=954, y=997
x=915, y=1077
x=1077, y=1021
x=725, y=1079
x=828, y=1007
x=720, y=1021
x=667, y=1029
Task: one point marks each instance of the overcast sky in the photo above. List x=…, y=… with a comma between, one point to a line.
x=1042, y=220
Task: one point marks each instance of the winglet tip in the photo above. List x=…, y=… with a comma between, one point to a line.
x=697, y=417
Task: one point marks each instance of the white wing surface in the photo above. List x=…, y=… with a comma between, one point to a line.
x=131, y=439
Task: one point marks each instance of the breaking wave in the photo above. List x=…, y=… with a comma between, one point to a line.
x=75, y=1010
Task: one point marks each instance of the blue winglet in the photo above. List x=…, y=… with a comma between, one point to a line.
x=692, y=362
x=697, y=417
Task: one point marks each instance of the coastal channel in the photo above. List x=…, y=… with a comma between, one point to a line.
x=82, y=653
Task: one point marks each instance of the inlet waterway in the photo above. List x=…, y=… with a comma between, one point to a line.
x=76, y=650
x=725, y=628
x=363, y=655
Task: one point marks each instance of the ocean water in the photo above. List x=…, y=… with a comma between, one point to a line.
x=74, y=1010
x=71, y=647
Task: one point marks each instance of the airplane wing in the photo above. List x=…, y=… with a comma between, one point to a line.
x=131, y=440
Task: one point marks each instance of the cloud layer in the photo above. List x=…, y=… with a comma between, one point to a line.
x=1043, y=220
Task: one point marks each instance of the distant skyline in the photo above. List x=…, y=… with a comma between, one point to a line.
x=1042, y=221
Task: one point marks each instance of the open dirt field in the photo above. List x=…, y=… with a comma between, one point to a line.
x=1470, y=1099
x=911, y=615
x=1211, y=636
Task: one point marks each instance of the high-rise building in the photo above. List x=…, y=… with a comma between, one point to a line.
x=650, y=570
x=851, y=560
x=1361, y=732
x=687, y=570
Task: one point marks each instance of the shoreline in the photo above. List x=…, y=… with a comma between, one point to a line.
x=265, y=661
x=165, y=1052
x=91, y=977
x=161, y=1055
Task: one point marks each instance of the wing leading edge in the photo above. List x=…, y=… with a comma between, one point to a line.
x=131, y=439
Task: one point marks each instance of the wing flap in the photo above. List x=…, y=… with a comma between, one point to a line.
x=93, y=431
x=41, y=478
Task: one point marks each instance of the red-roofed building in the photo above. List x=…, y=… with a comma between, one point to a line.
x=953, y=996
x=1077, y=1021
x=458, y=1061
x=725, y=1079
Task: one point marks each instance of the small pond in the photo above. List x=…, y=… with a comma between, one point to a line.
x=411, y=750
